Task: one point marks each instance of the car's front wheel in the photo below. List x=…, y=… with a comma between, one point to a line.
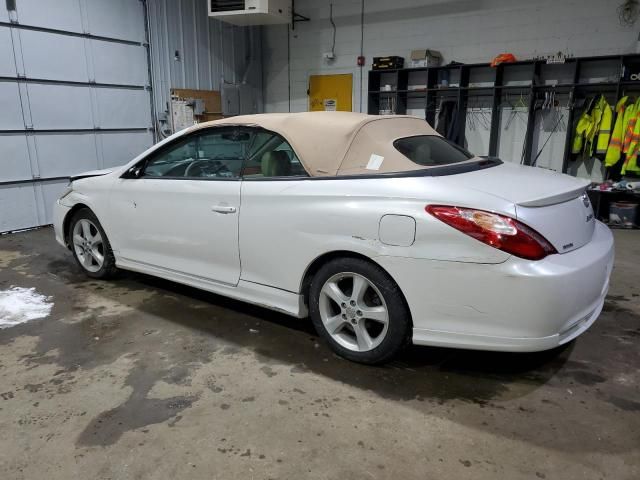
x=90, y=245
x=359, y=310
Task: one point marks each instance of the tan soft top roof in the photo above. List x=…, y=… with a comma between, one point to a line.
x=340, y=143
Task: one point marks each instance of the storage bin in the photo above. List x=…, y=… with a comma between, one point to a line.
x=623, y=214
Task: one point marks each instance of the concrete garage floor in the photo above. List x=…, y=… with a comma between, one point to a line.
x=143, y=378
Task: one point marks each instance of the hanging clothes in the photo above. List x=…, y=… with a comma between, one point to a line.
x=631, y=160
x=583, y=126
x=631, y=144
x=630, y=116
x=593, y=130
x=604, y=130
x=614, y=150
x=596, y=118
x=447, y=125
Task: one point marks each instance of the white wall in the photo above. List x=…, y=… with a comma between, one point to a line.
x=463, y=30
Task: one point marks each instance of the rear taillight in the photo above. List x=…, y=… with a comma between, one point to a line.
x=498, y=231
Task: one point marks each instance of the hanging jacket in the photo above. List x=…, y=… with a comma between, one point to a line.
x=604, y=130
x=448, y=121
x=445, y=114
x=593, y=122
x=596, y=119
x=631, y=144
x=635, y=136
x=630, y=116
x=630, y=165
x=631, y=162
x=583, y=126
x=614, y=150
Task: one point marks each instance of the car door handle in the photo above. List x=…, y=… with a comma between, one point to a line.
x=223, y=209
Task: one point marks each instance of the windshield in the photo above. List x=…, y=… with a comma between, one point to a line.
x=431, y=150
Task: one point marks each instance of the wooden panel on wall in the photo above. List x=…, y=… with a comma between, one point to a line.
x=212, y=101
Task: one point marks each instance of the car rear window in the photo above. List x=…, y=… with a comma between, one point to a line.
x=431, y=150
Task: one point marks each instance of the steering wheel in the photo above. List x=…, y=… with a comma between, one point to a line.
x=204, y=168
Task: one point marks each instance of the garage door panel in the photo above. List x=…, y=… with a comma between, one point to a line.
x=63, y=101
x=10, y=107
x=65, y=62
x=119, y=148
x=7, y=62
x=122, y=108
x=60, y=107
x=18, y=208
x=66, y=154
x=119, y=63
x=14, y=158
x=122, y=19
x=59, y=15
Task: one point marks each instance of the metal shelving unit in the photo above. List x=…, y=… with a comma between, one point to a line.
x=577, y=79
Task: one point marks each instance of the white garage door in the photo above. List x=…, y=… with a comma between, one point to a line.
x=74, y=96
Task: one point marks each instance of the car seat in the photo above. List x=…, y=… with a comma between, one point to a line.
x=422, y=155
x=276, y=164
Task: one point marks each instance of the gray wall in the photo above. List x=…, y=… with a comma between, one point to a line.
x=211, y=53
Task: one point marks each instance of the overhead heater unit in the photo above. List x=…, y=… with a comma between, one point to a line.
x=251, y=12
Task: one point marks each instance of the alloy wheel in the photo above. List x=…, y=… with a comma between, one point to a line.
x=88, y=245
x=354, y=312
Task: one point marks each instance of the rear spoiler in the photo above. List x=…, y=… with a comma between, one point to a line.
x=555, y=199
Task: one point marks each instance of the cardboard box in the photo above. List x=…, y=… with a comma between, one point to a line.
x=425, y=58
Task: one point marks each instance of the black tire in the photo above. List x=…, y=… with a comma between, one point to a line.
x=399, y=325
x=108, y=268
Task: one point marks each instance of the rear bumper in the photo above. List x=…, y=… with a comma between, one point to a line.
x=517, y=305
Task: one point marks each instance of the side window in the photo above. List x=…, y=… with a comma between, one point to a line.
x=217, y=153
x=270, y=155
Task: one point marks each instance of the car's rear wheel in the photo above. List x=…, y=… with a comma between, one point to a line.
x=359, y=310
x=90, y=245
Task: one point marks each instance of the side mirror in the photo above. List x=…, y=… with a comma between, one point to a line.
x=133, y=172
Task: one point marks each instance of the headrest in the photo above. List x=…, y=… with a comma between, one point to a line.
x=276, y=164
x=422, y=154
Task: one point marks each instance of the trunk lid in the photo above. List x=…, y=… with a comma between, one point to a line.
x=555, y=205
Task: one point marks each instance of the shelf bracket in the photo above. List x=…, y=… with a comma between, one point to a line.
x=296, y=17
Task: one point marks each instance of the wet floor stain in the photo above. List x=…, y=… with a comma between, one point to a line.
x=136, y=412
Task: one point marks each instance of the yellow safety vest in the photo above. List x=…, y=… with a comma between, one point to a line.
x=631, y=164
x=629, y=124
x=614, y=150
x=632, y=141
x=604, y=130
x=596, y=118
x=635, y=136
x=583, y=126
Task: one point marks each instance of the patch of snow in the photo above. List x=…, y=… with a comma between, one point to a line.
x=19, y=305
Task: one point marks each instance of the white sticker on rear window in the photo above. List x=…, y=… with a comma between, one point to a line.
x=375, y=162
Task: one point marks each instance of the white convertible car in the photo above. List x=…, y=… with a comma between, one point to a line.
x=375, y=226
